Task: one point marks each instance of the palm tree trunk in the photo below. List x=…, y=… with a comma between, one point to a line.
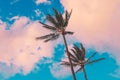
x=85, y=73
x=71, y=66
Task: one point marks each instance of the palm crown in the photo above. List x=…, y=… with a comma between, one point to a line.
x=59, y=24
x=78, y=59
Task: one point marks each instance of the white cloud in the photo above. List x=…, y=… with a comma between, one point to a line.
x=37, y=11
x=14, y=18
x=19, y=46
x=42, y=1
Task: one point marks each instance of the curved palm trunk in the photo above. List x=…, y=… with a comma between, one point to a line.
x=85, y=74
x=71, y=66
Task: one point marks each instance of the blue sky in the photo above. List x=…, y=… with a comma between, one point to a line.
x=46, y=67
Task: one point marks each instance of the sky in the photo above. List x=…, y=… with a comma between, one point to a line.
x=95, y=23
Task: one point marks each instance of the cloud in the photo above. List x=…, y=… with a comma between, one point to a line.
x=116, y=73
x=19, y=47
x=96, y=23
x=60, y=71
x=37, y=12
x=42, y=1
x=14, y=18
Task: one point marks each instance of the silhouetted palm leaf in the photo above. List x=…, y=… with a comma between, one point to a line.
x=78, y=57
x=52, y=20
x=59, y=17
x=58, y=27
x=83, y=51
x=68, y=32
x=75, y=53
x=67, y=63
x=97, y=60
x=54, y=37
x=48, y=27
x=92, y=56
x=67, y=17
x=46, y=36
x=73, y=57
x=79, y=52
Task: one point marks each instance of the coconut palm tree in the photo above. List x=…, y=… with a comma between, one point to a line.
x=78, y=58
x=58, y=27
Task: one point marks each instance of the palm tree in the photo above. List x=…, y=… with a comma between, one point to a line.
x=58, y=27
x=79, y=59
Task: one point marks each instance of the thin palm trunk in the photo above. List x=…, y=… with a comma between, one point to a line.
x=71, y=66
x=85, y=74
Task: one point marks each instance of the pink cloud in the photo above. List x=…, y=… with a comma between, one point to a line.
x=19, y=47
x=96, y=23
x=59, y=71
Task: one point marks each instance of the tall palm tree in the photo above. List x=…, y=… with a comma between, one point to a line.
x=58, y=27
x=78, y=57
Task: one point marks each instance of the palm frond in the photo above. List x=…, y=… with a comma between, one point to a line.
x=67, y=63
x=69, y=14
x=46, y=36
x=66, y=21
x=82, y=47
x=59, y=17
x=79, y=52
x=92, y=56
x=48, y=26
x=61, y=22
x=53, y=37
x=79, y=69
x=97, y=60
x=73, y=57
x=67, y=17
x=56, y=14
x=68, y=32
x=73, y=60
x=52, y=20
x=75, y=53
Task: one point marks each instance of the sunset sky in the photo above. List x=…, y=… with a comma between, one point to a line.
x=95, y=23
